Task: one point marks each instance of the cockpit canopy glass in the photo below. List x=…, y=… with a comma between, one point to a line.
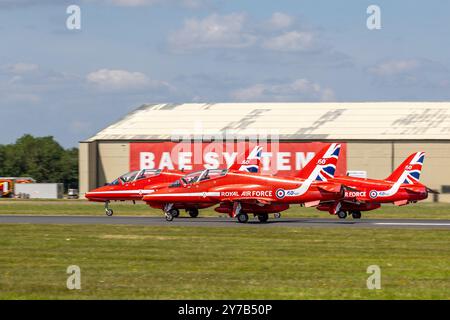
x=148, y=173
x=199, y=176
x=136, y=175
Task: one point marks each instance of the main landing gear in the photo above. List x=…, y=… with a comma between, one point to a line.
x=263, y=217
x=343, y=214
x=109, y=212
x=170, y=212
x=193, y=213
x=243, y=217
x=356, y=214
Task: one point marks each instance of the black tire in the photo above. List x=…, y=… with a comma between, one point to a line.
x=169, y=216
x=175, y=213
x=356, y=214
x=109, y=212
x=263, y=217
x=277, y=215
x=342, y=214
x=193, y=213
x=242, y=218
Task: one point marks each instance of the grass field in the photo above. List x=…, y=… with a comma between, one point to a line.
x=222, y=263
x=80, y=207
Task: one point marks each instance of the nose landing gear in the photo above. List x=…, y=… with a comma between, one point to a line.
x=170, y=212
x=109, y=212
x=242, y=217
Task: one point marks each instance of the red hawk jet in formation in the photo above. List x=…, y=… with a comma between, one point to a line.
x=240, y=190
x=133, y=185
x=400, y=188
x=241, y=193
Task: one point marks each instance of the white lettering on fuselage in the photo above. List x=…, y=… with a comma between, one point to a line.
x=355, y=194
x=248, y=193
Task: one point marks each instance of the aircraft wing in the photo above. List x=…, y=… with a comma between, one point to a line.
x=250, y=200
x=420, y=189
x=330, y=187
x=429, y=190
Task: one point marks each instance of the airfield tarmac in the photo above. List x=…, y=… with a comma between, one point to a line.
x=227, y=222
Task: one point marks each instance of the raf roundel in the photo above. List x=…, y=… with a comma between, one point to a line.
x=280, y=193
x=373, y=194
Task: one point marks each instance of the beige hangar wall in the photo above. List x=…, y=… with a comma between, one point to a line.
x=113, y=160
x=373, y=157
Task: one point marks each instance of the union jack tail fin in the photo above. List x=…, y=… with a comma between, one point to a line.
x=323, y=165
x=410, y=169
x=251, y=162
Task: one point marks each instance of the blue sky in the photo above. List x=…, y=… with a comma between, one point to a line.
x=70, y=84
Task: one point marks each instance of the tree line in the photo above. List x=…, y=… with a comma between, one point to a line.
x=41, y=158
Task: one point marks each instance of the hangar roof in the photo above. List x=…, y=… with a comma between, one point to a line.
x=304, y=121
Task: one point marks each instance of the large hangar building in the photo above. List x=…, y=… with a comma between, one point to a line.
x=377, y=136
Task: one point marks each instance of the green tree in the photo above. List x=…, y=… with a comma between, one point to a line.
x=41, y=158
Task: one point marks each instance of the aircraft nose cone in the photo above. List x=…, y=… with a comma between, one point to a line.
x=91, y=194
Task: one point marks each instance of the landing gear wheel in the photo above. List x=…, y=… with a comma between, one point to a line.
x=109, y=212
x=175, y=213
x=170, y=214
x=193, y=213
x=263, y=217
x=242, y=218
x=342, y=214
x=356, y=214
x=277, y=215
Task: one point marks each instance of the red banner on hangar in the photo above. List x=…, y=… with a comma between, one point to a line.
x=283, y=158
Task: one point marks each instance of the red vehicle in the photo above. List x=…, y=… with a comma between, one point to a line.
x=240, y=193
x=133, y=185
x=400, y=188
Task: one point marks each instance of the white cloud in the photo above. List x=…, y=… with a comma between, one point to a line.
x=297, y=90
x=394, y=67
x=23, y=3
x=132, y=3
x=140, y=3
x=410, y=73
x=20, y=68
x=107, y=79
x=280, y=20
x=123, y=3
x=291, y=41
x=235, y=31
x=214, y=31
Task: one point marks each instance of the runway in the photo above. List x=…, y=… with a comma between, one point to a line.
x=228, y=222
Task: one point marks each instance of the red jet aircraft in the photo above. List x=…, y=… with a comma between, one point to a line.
x=242, y=193
x=134, y=185
x=400, y=188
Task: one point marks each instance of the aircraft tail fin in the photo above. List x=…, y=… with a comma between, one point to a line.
x=251, y=162
x=323, y=165
x=409, y=170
